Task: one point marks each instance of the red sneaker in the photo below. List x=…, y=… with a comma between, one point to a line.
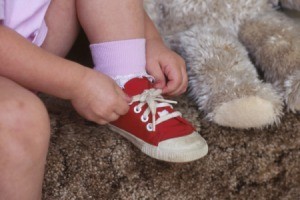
x=154, y=127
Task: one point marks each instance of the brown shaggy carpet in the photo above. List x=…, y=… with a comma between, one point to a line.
x=88, y=161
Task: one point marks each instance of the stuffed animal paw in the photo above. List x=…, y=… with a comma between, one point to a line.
x=243, y=57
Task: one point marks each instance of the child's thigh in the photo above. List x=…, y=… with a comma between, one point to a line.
x=63, y=27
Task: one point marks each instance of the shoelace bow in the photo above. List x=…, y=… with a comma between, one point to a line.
x=154, y=100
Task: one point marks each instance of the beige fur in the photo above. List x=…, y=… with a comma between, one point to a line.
x=225, y=44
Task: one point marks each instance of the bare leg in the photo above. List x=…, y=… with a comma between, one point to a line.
x=24, y=138
x=112, y=20
x=63, y=27
x=112, y=27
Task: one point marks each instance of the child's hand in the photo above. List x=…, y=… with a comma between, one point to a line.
x=98, y=98
x=167, y=67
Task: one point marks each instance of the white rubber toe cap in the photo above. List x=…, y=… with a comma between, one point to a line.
x=182, y=149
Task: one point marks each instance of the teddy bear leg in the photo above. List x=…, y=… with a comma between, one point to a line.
x=223, y=81
x=273, y=41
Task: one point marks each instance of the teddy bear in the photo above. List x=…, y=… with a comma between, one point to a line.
x=242, y=56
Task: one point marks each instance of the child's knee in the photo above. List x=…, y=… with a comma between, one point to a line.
x=25, y=126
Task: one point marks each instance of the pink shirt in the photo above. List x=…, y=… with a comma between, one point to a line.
x=26, y=17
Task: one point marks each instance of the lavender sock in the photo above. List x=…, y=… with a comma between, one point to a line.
x=122, y=60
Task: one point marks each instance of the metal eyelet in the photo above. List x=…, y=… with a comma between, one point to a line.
x=137, y=109
x=144, y=118
x=149, y=127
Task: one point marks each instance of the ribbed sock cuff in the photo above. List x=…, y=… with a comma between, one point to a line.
x=120, y=58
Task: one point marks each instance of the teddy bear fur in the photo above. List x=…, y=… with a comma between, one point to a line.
x=242, y=56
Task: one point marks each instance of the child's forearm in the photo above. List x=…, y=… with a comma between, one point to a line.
x=34, y=68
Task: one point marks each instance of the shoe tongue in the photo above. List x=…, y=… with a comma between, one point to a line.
x=137, y=86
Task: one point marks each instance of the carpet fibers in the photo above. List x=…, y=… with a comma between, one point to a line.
x=88, y=161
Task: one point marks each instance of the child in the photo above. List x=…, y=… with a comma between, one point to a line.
x=34, y=35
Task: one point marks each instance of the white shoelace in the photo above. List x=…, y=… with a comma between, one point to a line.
x=154, y=100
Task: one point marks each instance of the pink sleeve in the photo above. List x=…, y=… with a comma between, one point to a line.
x=26, y=18
x=1, y=9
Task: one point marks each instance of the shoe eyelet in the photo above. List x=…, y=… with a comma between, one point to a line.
x=144, y=118
x=137, y=109
x=149, y=127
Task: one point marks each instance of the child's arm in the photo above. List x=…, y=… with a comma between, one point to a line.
x=167, y=67
x=93, y=95
x=36, y=69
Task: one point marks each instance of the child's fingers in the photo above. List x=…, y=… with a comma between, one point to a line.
x=123, y=103
x=174, y=76
x=91, y=116
x=184, y=78
x=155, y=71
x=184, y=83
x=173, y=85
x=122, y=94
x=101, y=122
x=170, y=87
x=177, y=86
x=112, y=117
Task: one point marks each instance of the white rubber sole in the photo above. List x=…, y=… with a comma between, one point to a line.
x=179, y=150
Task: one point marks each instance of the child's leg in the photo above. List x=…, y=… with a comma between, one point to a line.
x=114, y=20
x=24, y=138
x=62, y=25
x=116, y=30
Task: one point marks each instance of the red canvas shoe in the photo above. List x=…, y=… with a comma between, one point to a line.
x=154, y=127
